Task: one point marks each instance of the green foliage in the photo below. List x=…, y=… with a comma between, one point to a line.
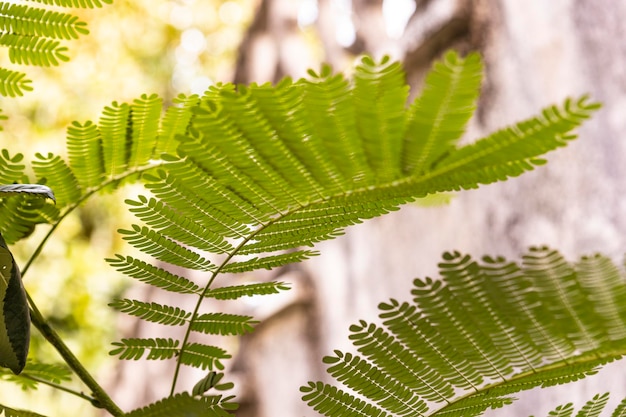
x=210, y=406
x=34, y=373
x=483, y=332
x=243, y=177
x=11, y=412
x=33, y=36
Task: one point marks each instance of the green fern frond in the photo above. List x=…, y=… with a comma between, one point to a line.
x=58, y=176
x=203, y=356
x=248, y=290
x=114, y=126
x=19, y=215
x=171, y=224
x=380, y=94
x=134, y=348
x=35, y=372
x=185, y=404
x=269, y=262
x=89, y=4
x=486, y=330
x=157, y=313
x=437, y=118
x=264, y=170
x=28, y=21
x=328, y=400
x=164, y=249
x=11, y=168
x=175, y=122
x=152, y=275
x=11, y=412
x=620, y=410
x=33, y=50
x=594, y=407
x=13, y=83
x=223, y=324
x=211, y=381
x=145, y=117
x=385, y=389
x=84, y=148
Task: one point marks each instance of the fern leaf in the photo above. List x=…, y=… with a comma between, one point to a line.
x=620, y=410
x=211, y=381
x=510, y=152
x=285, y=117
x=84, y=147
x=487, y=330
x=380, y=94
x=114, y=125
x=187, y=190
x=59, y=177
x=223, y=324
x=11, y=168
x=378, y=385
x=164, y=249
x=145, y=116
x=152, y=275
x=330, y=401
x=28, y=21
x=203, y=356
x=172, y=316
x=437, y=118
x=594, y=407
x=338, y=161
x=13, y=83
x=175, y=122
x=35, y=372
x=184, y=404
x=392, y=359
x=11, y=412
x=176, y=227
x=563, y=411
x=33, y=50
x=20, y=214
x=248, y=290
x=472, y=406
x=269, y=262
x=134, y=348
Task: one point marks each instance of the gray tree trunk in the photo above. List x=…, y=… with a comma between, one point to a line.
x=536, y=53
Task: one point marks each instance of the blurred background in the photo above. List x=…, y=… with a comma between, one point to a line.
x=536, y=53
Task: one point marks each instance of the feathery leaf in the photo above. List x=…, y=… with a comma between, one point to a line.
x=488, y=329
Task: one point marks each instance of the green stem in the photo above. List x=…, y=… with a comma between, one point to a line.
x=100, y=396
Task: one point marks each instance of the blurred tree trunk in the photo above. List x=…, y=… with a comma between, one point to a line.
x=536, y=53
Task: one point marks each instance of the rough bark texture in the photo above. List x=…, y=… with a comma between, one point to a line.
x=536, y=53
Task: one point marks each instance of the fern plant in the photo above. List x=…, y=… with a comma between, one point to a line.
x=243, y=177
x=481, y=333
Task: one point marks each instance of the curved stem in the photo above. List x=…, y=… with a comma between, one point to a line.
x=101, y=398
